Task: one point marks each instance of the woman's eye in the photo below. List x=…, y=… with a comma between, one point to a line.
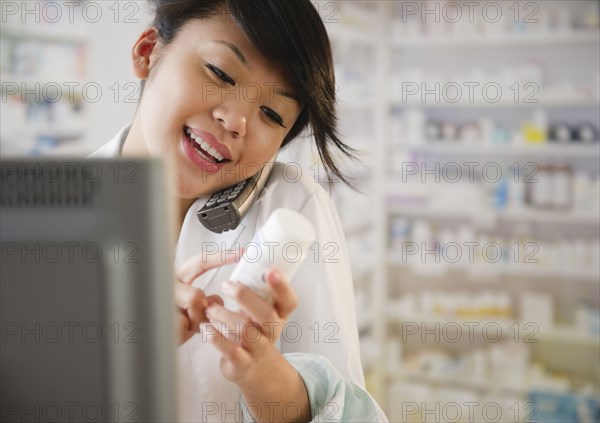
x=220, y=74
x=271, y=114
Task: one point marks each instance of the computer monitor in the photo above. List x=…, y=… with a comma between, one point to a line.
x=86, y=292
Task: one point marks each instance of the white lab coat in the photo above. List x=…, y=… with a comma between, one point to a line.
x=324, y=322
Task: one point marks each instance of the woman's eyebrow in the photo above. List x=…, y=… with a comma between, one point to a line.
x=235, y=50
x=240, y=55
x=288, y=94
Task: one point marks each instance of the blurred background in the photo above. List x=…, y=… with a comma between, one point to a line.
x=475, y=231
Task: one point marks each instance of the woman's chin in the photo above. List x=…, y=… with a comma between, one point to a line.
x=184, y=194
x=185, y=191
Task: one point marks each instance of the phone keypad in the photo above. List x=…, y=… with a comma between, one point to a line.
x=226, y=195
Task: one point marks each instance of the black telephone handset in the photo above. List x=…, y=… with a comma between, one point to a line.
x=225, y=209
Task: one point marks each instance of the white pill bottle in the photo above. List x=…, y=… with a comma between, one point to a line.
x=281, y=243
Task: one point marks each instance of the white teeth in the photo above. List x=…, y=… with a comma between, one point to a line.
x=202, y=155
x=205, y=146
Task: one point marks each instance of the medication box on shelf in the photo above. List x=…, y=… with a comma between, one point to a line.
x=558, y=408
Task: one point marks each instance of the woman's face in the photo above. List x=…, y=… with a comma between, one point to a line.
x=212, y=103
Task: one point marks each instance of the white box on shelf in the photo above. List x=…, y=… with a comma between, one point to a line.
x=537, y=308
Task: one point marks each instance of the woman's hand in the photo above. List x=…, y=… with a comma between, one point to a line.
x=192, y=302
x=246, y=341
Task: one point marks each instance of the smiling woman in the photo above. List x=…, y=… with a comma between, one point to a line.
x=196, y=85
x=226, y=84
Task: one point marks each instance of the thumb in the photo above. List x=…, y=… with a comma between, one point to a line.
x=214, y=299
x=285, y=299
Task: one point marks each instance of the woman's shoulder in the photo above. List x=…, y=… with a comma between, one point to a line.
x=292, y=186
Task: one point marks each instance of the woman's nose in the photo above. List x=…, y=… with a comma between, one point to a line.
x=231, y=118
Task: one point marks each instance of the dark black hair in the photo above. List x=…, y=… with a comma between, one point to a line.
x=291, y=34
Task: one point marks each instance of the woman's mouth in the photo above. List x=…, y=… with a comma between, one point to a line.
x=200, y=153
x=204, y=150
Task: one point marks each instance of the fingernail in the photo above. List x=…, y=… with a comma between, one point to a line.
x=275, y=277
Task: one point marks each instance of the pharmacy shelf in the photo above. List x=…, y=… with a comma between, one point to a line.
x=57, y=131
x=349, y=103
x=69, y=150
x=483, y=387
x=40, y=33
x=554, y=102
x=63, y=137
x=457, y=382
x=572, y=274
x=498, y=40
x=540, y=216
x=550, y=217
x=483, y=148
x=341, y=33
x=570, y=335
x=530, y=270
x=46, y=84
x=393, y=197
x=557, y=334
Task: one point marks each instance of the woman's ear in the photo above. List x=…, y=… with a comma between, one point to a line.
x=141, y=52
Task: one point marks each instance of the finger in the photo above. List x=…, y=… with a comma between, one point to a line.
x=184, y=332
x=186, y=295
x=193, y=302
x=236, y=327
x=231, y=351
x=239, y=329
x=285, y=299
x=214, y=299
x=259, y=310
x=250, y=302
x=202, y=262
x=233, y=322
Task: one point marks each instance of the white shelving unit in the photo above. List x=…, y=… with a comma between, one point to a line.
x=560, y=347
x=528, y=216
x=531, y=40
x=560, y=333
x=462, y=149
x=43, y=71
x=550, y=101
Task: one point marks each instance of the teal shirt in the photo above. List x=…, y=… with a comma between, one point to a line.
x=331, y=397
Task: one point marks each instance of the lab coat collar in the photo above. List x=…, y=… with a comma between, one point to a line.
x=193, y=238
x=114, y=147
